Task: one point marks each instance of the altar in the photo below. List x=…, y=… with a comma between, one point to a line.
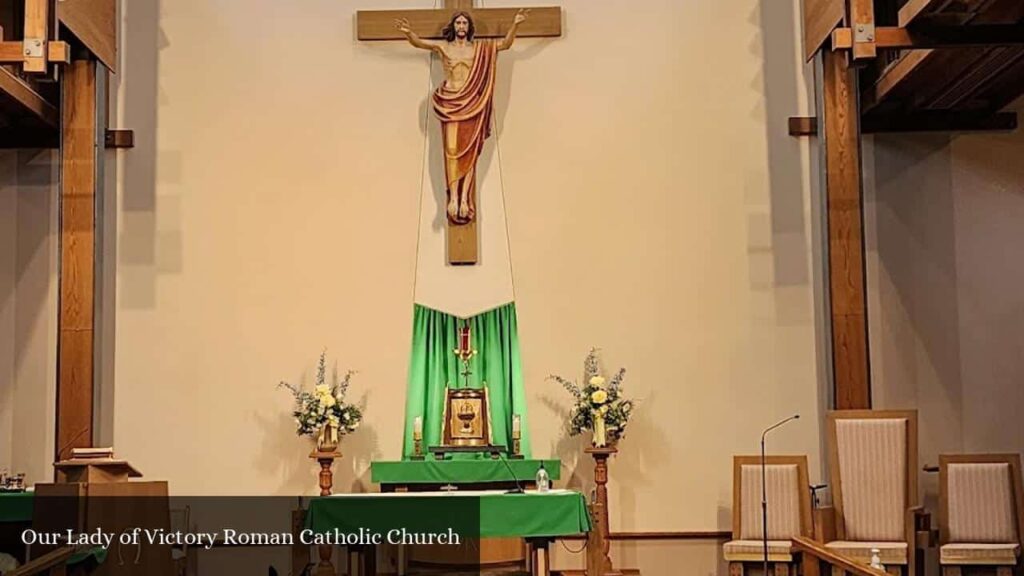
x=481, y=474
x=539, y=517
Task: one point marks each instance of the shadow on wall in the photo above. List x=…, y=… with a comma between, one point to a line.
x=916, y=356
x=946, y=309
x=35, y=322
x=775, y=23
x=140, y=246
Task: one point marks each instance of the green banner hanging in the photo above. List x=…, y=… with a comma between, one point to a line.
x=435, y=366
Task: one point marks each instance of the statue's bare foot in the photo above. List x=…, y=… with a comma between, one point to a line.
x=453, y=209
x=464, y=211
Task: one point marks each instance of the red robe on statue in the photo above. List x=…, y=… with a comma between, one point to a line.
x=465, y=116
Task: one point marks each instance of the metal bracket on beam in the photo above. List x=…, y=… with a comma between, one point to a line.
x=34, y=47
x=864, y=33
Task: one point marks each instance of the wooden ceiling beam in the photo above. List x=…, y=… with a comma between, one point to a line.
x=38, y=137
x=19, y=94
x=14, y=52
x=931, y=37
x=917, y=122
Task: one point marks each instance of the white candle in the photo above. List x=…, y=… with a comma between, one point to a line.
x=515, y=426
x=417, y=428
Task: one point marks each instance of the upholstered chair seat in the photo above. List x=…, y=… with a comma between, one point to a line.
x=788, y=498
x=753, y=551
x=888, y=552
x=980, y=523
x=979, y=554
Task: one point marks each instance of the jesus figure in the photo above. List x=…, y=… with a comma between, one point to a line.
x=463, y=103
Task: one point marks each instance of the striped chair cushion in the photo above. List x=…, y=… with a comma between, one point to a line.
x=873, y=472
x=753, y=550
x=979, y=554
x=980, y=500
x=783, y=496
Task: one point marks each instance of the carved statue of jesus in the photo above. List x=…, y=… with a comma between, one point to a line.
x=464, y=103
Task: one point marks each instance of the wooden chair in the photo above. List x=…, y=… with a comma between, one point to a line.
x=872, y=458
x=981, y=512
x=789, y=512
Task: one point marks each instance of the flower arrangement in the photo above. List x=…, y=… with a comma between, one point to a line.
x=599, y=405
x=324, y=412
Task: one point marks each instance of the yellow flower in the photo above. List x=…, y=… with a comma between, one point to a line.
x=328, y=400
x=322, y=389
x=603, y=410
x=597, y=381
x=599, y=397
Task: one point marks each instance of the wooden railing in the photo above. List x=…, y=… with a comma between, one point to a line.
x=815, y=554
x=53, y=563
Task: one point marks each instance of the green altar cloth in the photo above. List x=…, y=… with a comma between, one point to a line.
x=529, y=515
x=430, y=471
x=16, y=507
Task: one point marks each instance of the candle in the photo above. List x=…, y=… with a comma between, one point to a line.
x=464, y=338
x=516, y=431
x=417, y=428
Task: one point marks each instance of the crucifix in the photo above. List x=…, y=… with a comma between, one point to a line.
x=463, y=38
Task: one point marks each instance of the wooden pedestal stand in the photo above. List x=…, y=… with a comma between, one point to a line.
x=326, y=460
x=599, y=562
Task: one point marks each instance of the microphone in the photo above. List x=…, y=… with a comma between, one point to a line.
x=519, y=485
x=764, y=487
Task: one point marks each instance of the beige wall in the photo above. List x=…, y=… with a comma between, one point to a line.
x=27, y=312
x=656, y=208
x=945, y=305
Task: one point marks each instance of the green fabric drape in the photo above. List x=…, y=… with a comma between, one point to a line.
x=496, y=363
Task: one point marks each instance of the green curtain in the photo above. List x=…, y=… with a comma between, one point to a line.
x=496, y=363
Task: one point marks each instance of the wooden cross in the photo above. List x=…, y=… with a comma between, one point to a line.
x=490, y=23
x=544, y=22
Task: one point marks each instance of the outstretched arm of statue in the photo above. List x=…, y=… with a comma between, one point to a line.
x=509, y=38
x=402, y=25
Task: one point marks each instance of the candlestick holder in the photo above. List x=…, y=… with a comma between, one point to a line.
x=417, y=449
x=516, y=453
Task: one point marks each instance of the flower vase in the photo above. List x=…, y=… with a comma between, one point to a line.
x=327, y=440
x=600, y=433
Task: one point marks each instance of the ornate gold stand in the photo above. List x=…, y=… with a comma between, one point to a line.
x=326, y=460
x=599, y=562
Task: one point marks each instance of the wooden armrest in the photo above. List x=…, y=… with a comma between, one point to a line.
x=45, y=562
x=819, y=552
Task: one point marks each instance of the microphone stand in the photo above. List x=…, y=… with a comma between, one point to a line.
x=519, y=485
x=764, y=488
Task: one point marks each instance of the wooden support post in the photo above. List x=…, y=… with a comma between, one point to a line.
x=841, y=136
x=36, y=34
x=326, y=480
x=862, y=13
x=82, y=109
x=540, y=557
x=599, y=562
